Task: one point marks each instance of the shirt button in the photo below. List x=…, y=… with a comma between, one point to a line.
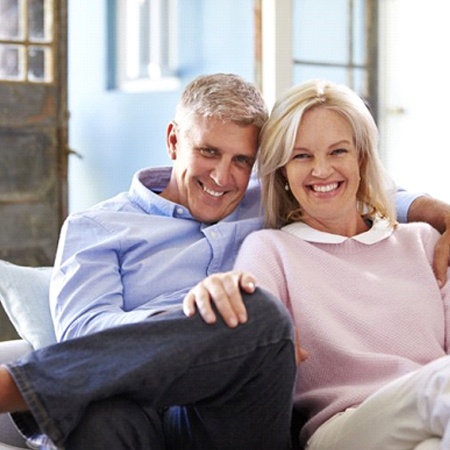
x=213, y=234
x=180, y=210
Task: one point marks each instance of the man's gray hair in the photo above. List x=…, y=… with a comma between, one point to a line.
x=227, y=97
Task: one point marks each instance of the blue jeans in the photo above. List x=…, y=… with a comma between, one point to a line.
x=170, y=382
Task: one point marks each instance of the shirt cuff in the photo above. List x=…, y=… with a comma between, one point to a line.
x=403, y=201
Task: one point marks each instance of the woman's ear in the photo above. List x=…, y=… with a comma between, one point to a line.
x=172, y=140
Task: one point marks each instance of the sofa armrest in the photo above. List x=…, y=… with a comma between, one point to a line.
x=10, y=438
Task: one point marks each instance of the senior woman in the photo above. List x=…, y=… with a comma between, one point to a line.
x=359, y=286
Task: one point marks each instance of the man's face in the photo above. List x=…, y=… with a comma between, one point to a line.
x=212, y=166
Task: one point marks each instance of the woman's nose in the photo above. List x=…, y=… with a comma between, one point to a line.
x=322, y=168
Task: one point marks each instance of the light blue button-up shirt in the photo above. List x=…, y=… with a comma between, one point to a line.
x=138, y=254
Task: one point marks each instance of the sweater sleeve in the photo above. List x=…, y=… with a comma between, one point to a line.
x=430, y=237
x=261, y=256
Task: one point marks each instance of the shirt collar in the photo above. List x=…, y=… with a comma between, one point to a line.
x=148, y=183
x=380, y=229
x=145, y=188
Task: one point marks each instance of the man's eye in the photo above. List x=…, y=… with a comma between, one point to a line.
x=206, y=151
x=245, y=161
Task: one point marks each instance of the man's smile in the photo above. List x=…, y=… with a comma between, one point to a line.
x=212, y=192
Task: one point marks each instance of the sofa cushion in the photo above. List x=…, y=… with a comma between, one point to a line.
x=24, y=297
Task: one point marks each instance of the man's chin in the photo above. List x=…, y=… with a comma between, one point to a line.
x=209, y=217
x=212, y=213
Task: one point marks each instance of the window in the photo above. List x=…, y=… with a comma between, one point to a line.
x=338, y=41
x=146, y=50
x=302, y=39
x=26, y=40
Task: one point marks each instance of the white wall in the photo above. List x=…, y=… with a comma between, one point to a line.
x=415, y=93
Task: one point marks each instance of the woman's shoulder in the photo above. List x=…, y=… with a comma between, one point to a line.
x=418, y=231
x=417, y=228
x=268, y=236
x=265, y=234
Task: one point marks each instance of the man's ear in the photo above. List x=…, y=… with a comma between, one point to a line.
x=172, y=140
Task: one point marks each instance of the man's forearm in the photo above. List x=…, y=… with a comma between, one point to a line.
x=430, y=210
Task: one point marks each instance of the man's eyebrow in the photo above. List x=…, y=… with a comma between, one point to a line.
x=206, y=145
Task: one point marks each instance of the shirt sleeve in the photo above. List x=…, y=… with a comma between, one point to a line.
x=403, y=201
x=86, y=291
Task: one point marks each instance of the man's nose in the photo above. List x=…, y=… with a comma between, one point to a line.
x=221, y=173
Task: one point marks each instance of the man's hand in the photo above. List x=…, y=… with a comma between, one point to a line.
x=224, y=290
x=437, y=214
x=441, y=258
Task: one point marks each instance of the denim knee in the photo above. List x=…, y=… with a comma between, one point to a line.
x=267, y=313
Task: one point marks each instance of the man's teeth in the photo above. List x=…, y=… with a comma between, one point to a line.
x=213, y=193
x=326, y=188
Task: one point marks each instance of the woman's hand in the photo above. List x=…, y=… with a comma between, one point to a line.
x=224, y=291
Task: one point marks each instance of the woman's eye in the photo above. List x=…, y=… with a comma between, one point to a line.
x=339, y=151
x=302, y=156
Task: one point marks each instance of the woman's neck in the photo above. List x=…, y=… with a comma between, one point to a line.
x=343, y=227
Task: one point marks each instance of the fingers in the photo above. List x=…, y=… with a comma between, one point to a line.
x=442, y=258
x=198, y=298
x=300, y=353
x=247, y=283
x=227, y=298
x=224, y=292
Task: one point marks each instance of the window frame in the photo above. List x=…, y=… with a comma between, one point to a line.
x=143, y=45
x=274, y=50
x=25, y=44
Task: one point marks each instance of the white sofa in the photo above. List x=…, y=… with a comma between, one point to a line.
x=24, y=297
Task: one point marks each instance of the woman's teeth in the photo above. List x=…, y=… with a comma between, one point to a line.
x=324, y=188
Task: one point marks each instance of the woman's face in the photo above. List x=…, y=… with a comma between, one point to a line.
x=323, y=172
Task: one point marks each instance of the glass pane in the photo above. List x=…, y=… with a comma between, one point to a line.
x=306, y=72
x=40, y=20
x=39, y=64
x=12, y=62
x=10, y=19
x=354, y=78
x=321, y=30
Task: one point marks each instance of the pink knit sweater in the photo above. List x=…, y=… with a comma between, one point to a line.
x=366, y=314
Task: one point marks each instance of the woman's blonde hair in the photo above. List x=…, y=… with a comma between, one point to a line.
x=278, y=137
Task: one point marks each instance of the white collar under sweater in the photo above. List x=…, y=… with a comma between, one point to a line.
x=380, y=229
